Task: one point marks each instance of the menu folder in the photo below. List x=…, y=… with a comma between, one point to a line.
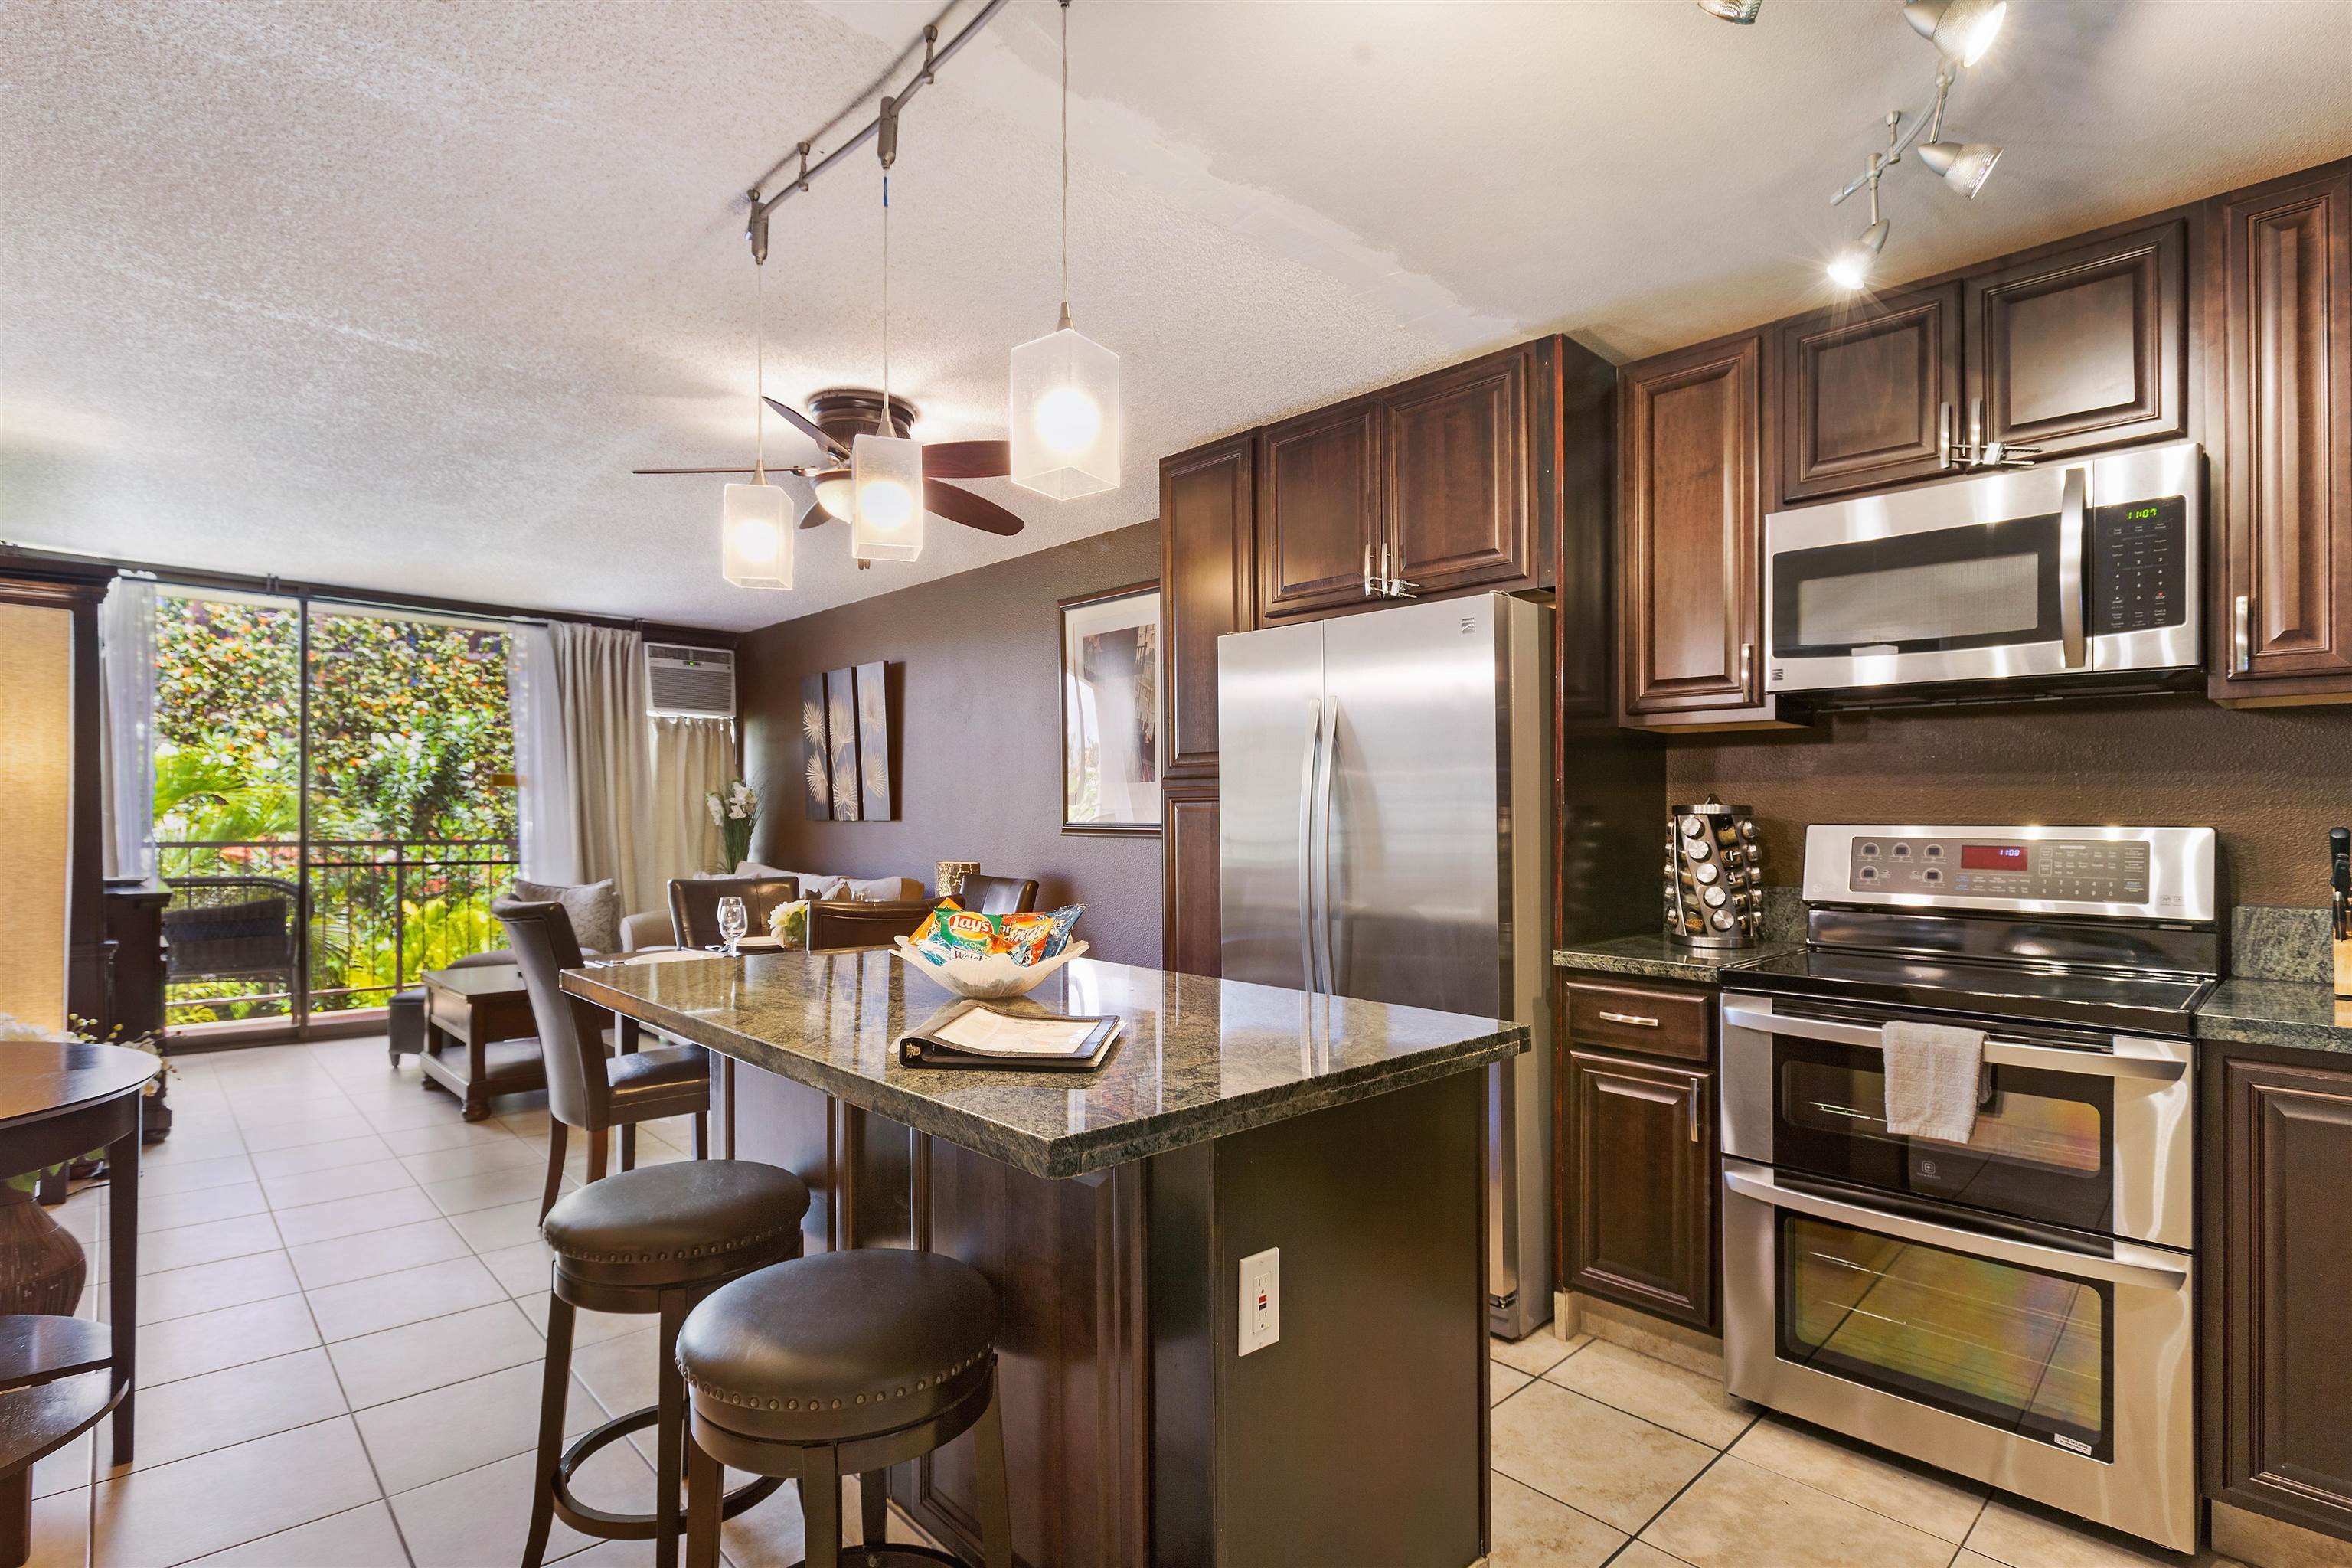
x=972, y=1034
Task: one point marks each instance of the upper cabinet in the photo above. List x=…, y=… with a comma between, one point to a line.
x=2083, y=345
x=1867, y=393
x=1206, y=502
x=2279, y=373
x=1318, y=509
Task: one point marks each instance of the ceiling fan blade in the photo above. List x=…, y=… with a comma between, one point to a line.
x=692, y=470
x=967, y=460
x=807, y=427
x=958, y=505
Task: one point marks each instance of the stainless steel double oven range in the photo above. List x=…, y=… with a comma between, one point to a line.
x=2019, y=1307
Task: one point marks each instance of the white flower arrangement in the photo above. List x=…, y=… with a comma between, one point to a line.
x=733, y=810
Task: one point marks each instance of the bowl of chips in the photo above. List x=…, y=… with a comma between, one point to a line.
x=990, y=956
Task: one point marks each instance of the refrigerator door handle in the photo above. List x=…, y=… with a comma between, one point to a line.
x=1329, y=719
x=1307, y=921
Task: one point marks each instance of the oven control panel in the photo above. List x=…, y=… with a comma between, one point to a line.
x=2049, y=871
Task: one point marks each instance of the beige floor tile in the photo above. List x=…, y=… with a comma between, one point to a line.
x=65, y=1469
x=298, y=1188
x=267, y=1108
x=1641, y=1554
x=1502, y=1382
x=480, y=1517
x=207, y=1243
x=438, y=1135
x=1615, y=1467
x=1536, y=1355
x=381, y=1302
x=493, y=1229
x=473, y=1160
x=491, y=1189
x=1739, y=1515
x=521, y=1269
x=211, y=1341
x=347, y=1257
x=307, y=1130
x=229, y=1496
x=335, y=1153
x=2022, y=1537
x=192, y=1148
x=587, y=1328
x=446, y=1431
x=208, y=1287
x=60, y=1529
x=158, y=1180
x=623, y=1372
x=354, y=1216
x=197, y=1415
x=423, y=1109
x=1532, y=1531
x=1942, y=1506
x=1678, y=1400
x=363, y=1537
x=1971, y=1560
x=168, y=1211
x=397, y=1362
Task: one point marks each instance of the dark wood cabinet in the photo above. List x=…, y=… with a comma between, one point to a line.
x=1460, y=469
x=1207, y=503
x=1189, y=920
x=2279, y=357
x=2082, y=346
x=2277, y=1251
x=1690, y=536
x=1866, y=392
x=1639, y=1222
x=1318, y=509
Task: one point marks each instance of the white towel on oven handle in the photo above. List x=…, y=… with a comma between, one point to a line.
x=1931, y=1079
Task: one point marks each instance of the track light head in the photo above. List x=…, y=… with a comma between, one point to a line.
x=1740, y=11
x=1965, y=166
x=1961, y=30
x=1850, y=268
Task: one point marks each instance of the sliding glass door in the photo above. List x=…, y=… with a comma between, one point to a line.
x=334, y=801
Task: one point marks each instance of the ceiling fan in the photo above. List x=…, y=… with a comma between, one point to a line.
x=839, y=414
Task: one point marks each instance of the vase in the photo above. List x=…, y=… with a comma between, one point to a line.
x=42, y=1269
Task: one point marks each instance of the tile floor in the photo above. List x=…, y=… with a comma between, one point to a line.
x=343, y=1295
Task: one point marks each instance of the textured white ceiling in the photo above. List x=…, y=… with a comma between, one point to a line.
x=395, y=293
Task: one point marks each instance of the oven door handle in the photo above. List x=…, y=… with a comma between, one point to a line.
x=2123, y=1062
x=2132, y=1264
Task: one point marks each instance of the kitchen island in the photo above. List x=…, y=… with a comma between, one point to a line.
x=1112, y=1210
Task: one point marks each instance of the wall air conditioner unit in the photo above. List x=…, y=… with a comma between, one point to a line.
x=690, y=682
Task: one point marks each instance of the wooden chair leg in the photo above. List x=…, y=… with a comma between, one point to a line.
x=16, y=1518
x=873, y=1507
x=554, y=1384
x=670, y=1432
x=556, y=1134
x=820, y=1509
x=995, y=1506
x=628, y=1145
x=596, y=1141
x=703, y=1483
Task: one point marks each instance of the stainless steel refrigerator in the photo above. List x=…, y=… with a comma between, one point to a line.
x=1384, y=832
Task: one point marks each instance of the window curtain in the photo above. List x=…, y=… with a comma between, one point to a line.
x=126, y=655
x=581, y=753
x=693, y=758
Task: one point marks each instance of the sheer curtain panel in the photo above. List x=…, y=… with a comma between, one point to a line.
x=126, y=654
x=543, y=804
x=692, y=758
x=600, y=709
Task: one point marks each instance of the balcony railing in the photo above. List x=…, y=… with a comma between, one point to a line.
x=268, y=928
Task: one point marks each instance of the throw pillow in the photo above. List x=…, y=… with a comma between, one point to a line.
x=594, y=908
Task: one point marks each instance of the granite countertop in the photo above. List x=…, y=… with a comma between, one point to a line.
x=1200, y=1059
x=1658, y=957
x=2305, y=1014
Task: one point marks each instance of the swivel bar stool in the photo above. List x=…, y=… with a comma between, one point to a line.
x=845, y=1362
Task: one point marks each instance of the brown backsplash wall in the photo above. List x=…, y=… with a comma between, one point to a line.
x=975, y=662
x=2272, y=781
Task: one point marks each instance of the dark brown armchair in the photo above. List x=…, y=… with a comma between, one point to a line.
x=998, y=895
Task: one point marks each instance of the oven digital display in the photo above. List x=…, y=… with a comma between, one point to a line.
x=1992, y=856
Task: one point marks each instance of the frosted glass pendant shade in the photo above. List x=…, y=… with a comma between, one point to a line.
x=1065, y=416
x=756, y=536
x=886, y=479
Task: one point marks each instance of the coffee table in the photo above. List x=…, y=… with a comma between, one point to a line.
x=479, y=1037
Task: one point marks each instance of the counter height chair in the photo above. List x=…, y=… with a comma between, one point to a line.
x=587, y=1087
x=845, y=1362
x=997, y=895
x=694, y=904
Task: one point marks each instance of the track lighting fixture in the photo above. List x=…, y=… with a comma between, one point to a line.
x=886, y=468
x=1961, y=30
x=1740, y=11
x=1964, y=165
x=1850, y=268
x=755, y=529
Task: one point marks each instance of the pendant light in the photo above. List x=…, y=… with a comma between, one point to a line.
x=1064, y=418
x=754, y=526
x=886, y=468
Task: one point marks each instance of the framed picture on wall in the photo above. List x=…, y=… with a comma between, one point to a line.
x=1110, y=711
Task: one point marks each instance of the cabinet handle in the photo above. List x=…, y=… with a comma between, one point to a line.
x=1747, y=669
x=2241, y=634
x=1368, y=569
x=1693, y=1103
x=1635, y=1019
x=1976, y=430
x=1944, y=415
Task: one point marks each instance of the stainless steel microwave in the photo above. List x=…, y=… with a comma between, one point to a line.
x=2088, y=570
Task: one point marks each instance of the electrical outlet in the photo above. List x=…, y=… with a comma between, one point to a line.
x=1261, y=1300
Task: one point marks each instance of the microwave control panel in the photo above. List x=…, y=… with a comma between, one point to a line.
x=2094, y=870
x=2137, y=554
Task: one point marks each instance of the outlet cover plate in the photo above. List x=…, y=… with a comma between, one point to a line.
x=1261, y=1283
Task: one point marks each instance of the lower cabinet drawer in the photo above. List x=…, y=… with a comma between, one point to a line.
x=1655, y=1020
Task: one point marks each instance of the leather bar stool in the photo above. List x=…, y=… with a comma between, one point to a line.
x=655, y=1240
x=998, y=895
x=845, y=1362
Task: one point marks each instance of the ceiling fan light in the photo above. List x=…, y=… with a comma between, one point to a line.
x=886, y=478
x=1740, y=11
x=836, y=495
x=755, y=531
x=1064, y=418
x=1961, y=30
x=1965, y=166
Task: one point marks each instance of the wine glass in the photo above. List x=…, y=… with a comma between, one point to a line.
x=734, y=919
